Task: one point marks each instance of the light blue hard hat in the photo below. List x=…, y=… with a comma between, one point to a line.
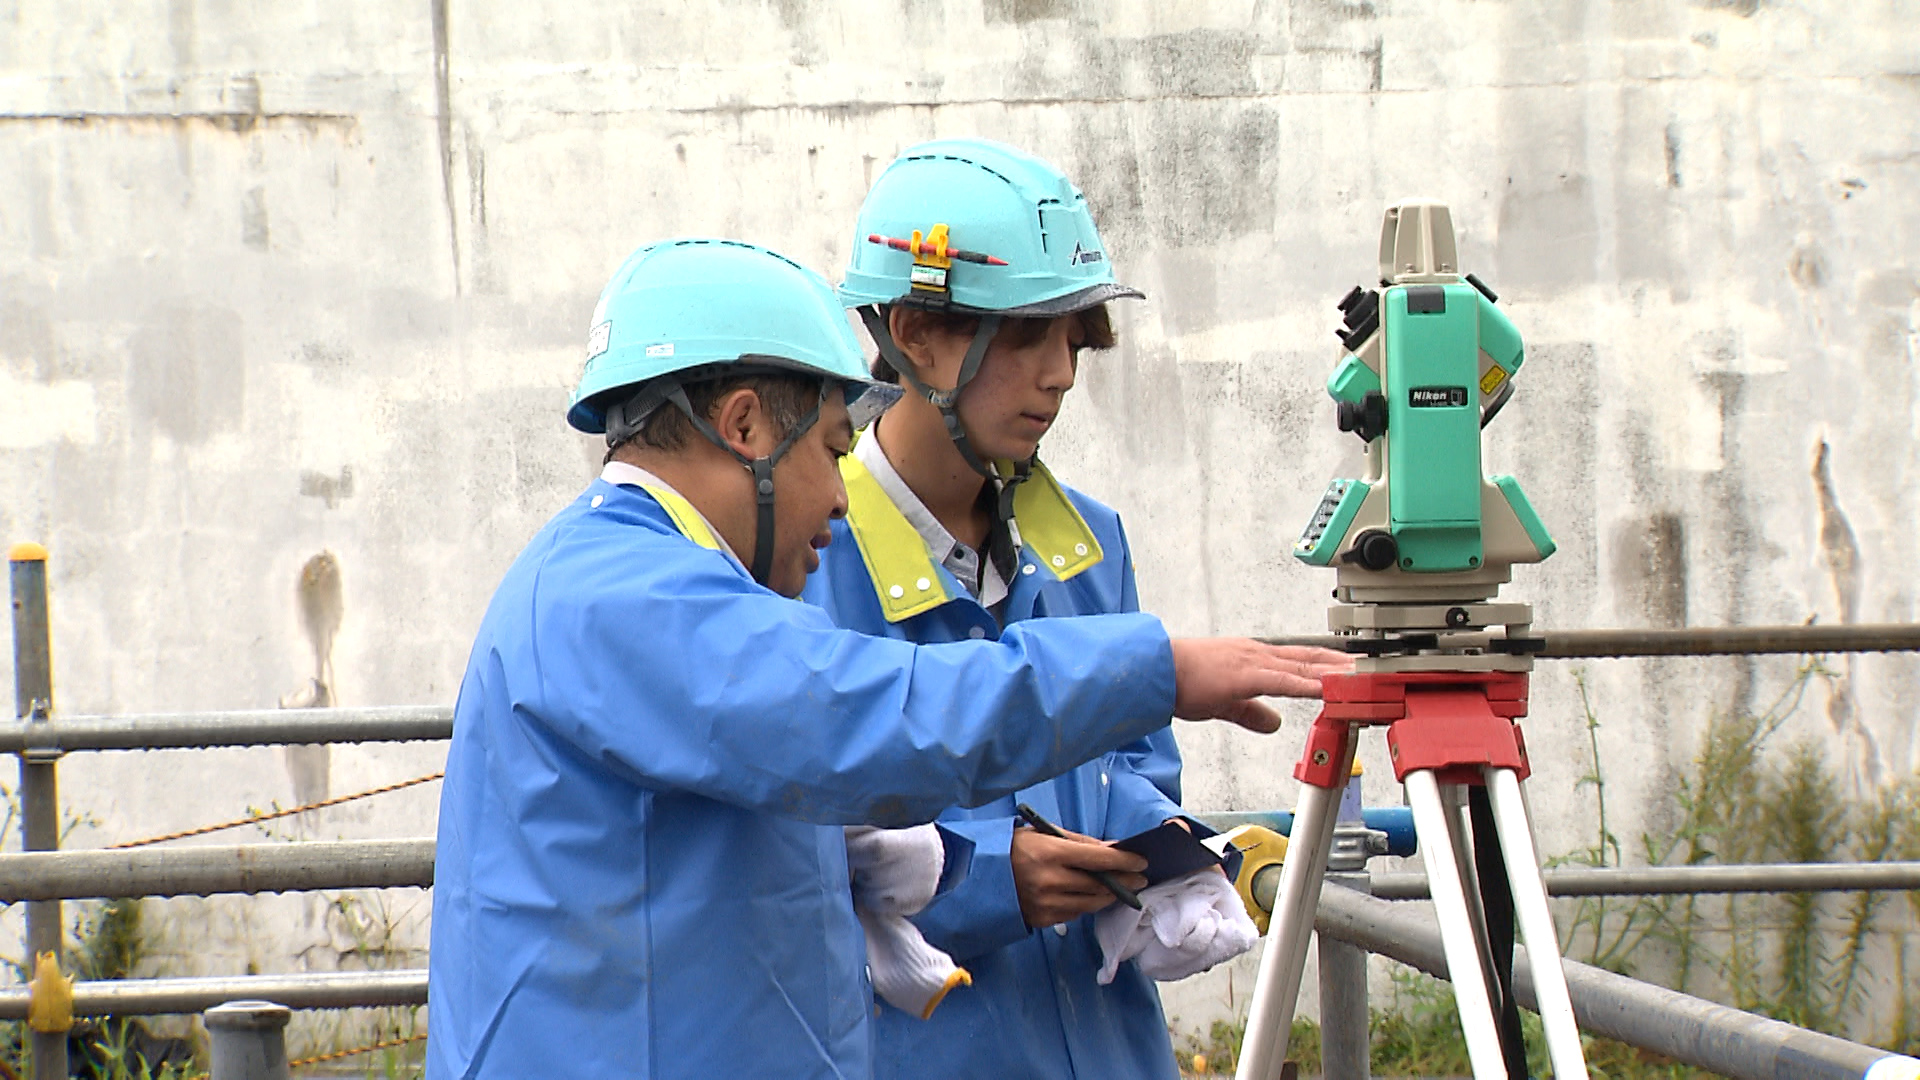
x=998, y=203
x=699, y=307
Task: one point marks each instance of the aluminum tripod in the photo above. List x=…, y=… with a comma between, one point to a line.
x=1458, y=751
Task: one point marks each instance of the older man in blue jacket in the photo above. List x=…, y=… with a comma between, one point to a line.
x=641, y=868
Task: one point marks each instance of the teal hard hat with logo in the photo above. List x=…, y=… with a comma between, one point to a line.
x=703, y=308
x=976, y=225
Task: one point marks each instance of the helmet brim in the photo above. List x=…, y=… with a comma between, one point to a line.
x=867, y=400
x=1091, y=296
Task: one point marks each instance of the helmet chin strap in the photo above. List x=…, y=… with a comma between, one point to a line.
x=944, y=400
x=761, y=469
x=1003, y=538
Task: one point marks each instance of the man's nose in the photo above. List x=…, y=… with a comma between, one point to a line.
x=1059, y=362
x=839, y=498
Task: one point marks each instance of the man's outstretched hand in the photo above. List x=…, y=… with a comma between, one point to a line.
x=1224, y=678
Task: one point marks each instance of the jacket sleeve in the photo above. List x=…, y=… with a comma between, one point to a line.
x=982, y=912
x=1146, y=772
x=679, y=672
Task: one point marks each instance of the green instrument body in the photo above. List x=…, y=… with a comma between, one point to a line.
x=1440, y=353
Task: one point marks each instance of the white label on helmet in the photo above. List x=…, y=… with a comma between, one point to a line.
x=597, y=339
x=932, y=277
x=660, y=350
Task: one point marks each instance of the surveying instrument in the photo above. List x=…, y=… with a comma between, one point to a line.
x=1422, y=545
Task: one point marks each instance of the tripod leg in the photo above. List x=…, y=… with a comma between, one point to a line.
x=1463, y=948
x=1277, y=991
x=1536, y=925
x=1496, y=898
x=1463, y=838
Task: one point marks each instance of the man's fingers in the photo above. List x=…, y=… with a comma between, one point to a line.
x=1284, y=678
x=1254, y=715
x=1313, y=654
x=1079, y=852
x=1101, y=857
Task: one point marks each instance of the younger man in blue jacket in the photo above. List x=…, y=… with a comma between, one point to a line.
x=980, y=277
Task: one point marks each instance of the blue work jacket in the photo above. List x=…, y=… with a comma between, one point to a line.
x=641, y=870
x=1034, y=1009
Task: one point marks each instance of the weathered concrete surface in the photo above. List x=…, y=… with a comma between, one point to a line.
x=278, y=280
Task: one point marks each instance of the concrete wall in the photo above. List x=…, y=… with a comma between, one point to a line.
x=284, y=279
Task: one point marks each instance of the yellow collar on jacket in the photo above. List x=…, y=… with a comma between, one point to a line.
x=685, y=517
x=902, y=572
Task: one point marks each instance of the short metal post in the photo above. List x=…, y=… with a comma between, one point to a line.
x=249, y=1040
x=39, y=790
x=1346, y=1039
x=1346, y=1044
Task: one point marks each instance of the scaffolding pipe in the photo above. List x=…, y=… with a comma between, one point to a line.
x=39, y=774
x=256, y=727
x=202, y=871
x=1699, y=641
x=272, y=727
x=162, y=997
x=1663, y=880
x=379, y=864
x=1695, y=1032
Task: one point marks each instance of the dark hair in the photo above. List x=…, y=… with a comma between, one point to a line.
x=1017, y=331
x=786, y=398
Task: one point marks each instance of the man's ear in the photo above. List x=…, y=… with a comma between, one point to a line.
x=742, y=421
x=913, y=335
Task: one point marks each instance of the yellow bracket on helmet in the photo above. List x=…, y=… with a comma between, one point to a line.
x=931, y=260
x=933, y=257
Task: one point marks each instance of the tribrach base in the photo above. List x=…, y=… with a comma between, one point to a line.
x=1447, y=732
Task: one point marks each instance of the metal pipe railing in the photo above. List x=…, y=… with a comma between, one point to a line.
x=1695, y=1032
x=160, y=997
x=271, y=727
x=202, y=871
x=383, y=864
x=1698, y=641
x=253, y=727
x=1664, y=880
x=43, y=877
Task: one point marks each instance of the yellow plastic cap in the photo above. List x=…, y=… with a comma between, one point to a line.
x=49, y=997
x=27, y=553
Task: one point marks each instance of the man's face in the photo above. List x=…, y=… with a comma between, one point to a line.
x=808, y=494
x=1013, y=400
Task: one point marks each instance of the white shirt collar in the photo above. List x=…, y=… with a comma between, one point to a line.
x=963, y=562
x=627, y=475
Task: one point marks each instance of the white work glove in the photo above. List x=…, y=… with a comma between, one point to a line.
x=1186, y=925
x=895, y=873
x=907, y=973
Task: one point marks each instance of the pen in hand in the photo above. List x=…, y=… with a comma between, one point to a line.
x=1042, y=825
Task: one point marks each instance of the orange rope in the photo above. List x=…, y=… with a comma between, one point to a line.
x=338, y=1054
x=371, y=1047
x=257, y=818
